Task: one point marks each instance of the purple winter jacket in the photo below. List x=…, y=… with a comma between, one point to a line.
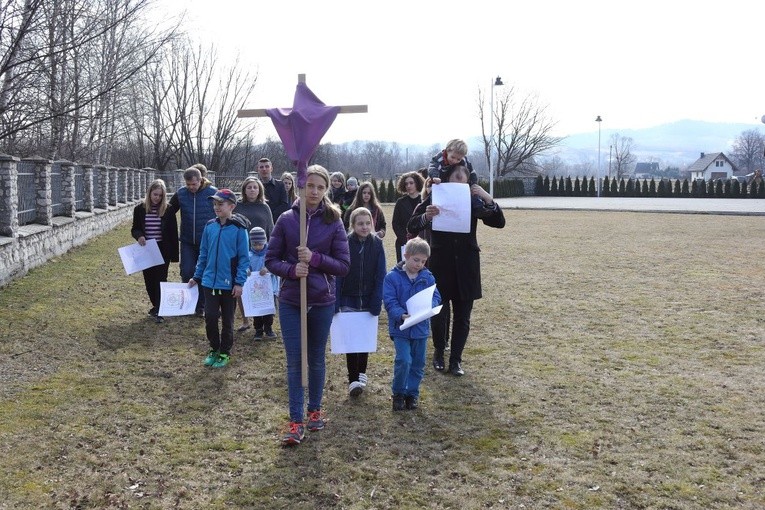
x=329, y=244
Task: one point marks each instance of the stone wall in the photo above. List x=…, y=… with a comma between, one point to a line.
x=35, y=244
x=23, y=247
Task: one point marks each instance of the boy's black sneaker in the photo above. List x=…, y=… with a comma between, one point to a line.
x=456, y=369
x=258, y=334
x=411, y=402
x=153, y=311
x=269, y=333
x=398, y=403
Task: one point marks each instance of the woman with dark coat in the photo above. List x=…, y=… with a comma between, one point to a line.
x=409, y=185
x=456, y=264
x=153, y=219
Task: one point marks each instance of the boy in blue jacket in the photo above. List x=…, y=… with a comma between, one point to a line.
x=406, y=279
x=221, y=271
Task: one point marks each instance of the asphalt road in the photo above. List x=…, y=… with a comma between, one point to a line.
x=733, y=206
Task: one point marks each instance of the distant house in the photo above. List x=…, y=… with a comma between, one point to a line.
x=712, y=166
x=646, y=170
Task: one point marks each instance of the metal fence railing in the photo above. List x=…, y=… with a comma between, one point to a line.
x=27, y=208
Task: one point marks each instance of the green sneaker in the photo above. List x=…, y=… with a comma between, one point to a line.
x=222, y=361
x=211, y=358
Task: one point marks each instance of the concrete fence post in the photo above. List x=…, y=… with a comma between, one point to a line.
x=140, y=184
x=9, y=196
x=102, y=202
x=122, y=194
x=43, y=191
x=87, y=185
x=113, y=185
x=67, y=188
x=151, y=176
x=178, y=180
x=129, y=185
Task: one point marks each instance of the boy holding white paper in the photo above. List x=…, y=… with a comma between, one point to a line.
x=406, y=279
x=221, y=271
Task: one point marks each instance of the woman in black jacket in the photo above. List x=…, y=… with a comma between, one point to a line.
x=152, y=219
x=409, y=185
x=456, y=264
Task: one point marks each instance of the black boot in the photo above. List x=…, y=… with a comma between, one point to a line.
x=398, y=402
x=438, y=360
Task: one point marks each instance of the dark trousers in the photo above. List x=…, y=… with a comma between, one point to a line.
x=357, y=364
x=264, y=322
x=219, y=305
x=188, y=264
x=152, y=278
x=460, y=323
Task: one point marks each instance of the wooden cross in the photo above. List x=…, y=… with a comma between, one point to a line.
x=303, y=281
x=261, y=112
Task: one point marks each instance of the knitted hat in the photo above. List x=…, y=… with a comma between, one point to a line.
x=257, y=236
x=352, y=182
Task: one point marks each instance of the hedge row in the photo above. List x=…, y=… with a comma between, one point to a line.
x=386, y=190
x=730, y=188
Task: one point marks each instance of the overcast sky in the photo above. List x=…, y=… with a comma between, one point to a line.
x=418, y=64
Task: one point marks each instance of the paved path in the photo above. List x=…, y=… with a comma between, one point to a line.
x=735, y=206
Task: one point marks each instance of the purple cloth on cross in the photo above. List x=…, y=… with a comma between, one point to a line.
x=302, y=126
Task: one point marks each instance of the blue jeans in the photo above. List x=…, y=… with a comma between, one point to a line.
x=188, y=264
x=409, y=366
x=319, y=321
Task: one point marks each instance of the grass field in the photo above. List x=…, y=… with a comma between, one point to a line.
x=616, y=361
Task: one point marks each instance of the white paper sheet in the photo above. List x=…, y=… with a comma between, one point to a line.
x=258, y=295
x=420, y=307
x=453, y=201
x=177, y=299
x=353, y=332
x=137, y=258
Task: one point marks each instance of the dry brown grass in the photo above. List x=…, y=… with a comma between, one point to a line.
x=616, y=361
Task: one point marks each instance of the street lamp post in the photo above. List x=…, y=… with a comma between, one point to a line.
x=598, y=120
x=494, y=83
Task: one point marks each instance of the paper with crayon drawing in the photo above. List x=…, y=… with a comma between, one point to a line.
x=177, y=299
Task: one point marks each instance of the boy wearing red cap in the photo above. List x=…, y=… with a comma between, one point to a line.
x=221, y=271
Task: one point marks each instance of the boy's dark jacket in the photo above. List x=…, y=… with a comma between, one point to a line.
x=439, y=167
x=224, y=254
x=361, y=288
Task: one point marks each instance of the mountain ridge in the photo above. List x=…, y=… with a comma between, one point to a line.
x=676, y=143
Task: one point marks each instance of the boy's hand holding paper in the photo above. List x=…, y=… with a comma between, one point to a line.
x=419, y=308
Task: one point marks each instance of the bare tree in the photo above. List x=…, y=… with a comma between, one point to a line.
x=554, y=166
x=748, y=150
x=65, y=64
x=522, y=132
x=622, y=161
